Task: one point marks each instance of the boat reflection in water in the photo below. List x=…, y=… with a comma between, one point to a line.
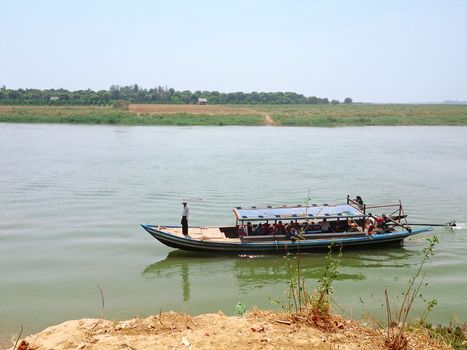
x=180, y=264
x=252, y=272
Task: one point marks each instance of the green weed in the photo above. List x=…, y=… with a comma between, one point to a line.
x=312, y=306
x=397, y=315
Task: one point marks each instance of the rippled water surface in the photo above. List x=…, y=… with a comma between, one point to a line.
x=72, y=199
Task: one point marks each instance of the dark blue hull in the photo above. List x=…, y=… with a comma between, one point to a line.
x=270, y=247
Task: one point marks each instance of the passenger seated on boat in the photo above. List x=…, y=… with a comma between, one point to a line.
x=370, y=223
x=279, y=228
x=314, y=226
x=383, y=224
x=241, y=231
x=282, y=228
x=294, y=231
x=379, y=221
x=352, y=226
x=325, y=226
x=299, y=227
x=266, y=229
x=341, y=226
x=253, y=231
x=344, y=227
x=291, y=231
x=249, y=229
x=258, y=230
x=380, y=225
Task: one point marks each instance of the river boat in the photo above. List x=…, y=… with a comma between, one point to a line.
x=347, y=226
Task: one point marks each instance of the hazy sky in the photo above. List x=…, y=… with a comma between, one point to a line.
x=375, y=51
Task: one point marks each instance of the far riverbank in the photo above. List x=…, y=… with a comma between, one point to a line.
x=242, y=115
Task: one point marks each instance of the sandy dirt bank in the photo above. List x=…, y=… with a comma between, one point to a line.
x=191, y=109
x=256, y=330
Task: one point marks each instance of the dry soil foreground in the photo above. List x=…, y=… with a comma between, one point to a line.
x=257, y=330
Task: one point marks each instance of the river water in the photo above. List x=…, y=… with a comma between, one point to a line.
x=73, y=197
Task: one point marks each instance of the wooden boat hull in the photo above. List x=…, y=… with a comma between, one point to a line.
x=282, y=246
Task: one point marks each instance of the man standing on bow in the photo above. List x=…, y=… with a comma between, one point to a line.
x=184, y=221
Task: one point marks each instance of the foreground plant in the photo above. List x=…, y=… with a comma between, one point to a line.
x=312, y=306
x=397, y=317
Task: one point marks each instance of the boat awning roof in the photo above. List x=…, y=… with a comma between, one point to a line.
x=297, y=212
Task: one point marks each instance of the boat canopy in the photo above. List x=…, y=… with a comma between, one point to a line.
x=298, y=212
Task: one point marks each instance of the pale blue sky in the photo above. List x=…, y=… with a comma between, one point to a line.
x=375, y=51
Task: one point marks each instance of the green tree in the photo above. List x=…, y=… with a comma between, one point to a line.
x=159, y=94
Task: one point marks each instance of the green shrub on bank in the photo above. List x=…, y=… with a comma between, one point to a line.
x=91, y=118
x=112, y=116
x=367, y=114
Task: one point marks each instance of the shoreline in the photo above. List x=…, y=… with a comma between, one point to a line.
x=254, y=330
x=241, y=115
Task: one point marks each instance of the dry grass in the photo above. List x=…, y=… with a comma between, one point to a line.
x=53, y=111
x=190, y=109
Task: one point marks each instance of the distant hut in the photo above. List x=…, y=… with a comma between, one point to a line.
x=202, y=101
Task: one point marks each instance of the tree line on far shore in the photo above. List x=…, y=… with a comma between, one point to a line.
x=136, y=94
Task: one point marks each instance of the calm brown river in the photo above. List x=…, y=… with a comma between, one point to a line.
x=73, y=197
